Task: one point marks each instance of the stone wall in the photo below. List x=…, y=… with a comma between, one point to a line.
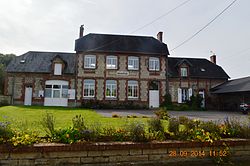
x=162, y=153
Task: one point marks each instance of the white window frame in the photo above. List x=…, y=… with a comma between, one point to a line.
x=112, y=86
x=89, y=85
x=89, y=61
x=184, y=71
x=58, y=69
x=134, y=87
x=111, y=62
x=154, y=64
x=184, y=94
x=61, y=88
x=133, y=63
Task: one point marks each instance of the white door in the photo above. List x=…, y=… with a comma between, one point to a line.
x=202, y=94
x=28, y=96
x=154, y=99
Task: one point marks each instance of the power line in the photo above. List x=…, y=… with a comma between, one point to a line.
x=165, y=14
x=210, y=22
x=170, y=11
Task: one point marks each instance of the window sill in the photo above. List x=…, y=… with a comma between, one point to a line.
x=110, y=98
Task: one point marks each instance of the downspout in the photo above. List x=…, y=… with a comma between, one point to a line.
x=76, y=73
x=13, y=90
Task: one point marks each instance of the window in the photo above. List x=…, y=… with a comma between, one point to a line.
x=58, y=69
x=184, y=94
x=89, y=61
x=154, y=64
x=132, y=89
x=111, y=89
x=48, y=91
x=133, y=63
x=183, y=72
x=111, y=62
x=56, y=91
x=89, y=88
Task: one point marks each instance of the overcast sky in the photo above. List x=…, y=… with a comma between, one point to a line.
x=53, y=25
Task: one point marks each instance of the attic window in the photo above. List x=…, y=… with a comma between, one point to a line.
x=202, y=69
x=58, y=69
x=22, y=61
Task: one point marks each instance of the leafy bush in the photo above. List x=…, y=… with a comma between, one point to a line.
x=136, y=131
x=162, y=114
x=173, y=125
x=5, y=132
x=155, y=125
x=195, y=102
x=24, y=138
x=79, y=123
x=233, y=128
x=4, y=103
x=48, y=123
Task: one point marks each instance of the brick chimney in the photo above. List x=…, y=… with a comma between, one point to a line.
x=159, y=36
x=81, y=31
x=213, y=58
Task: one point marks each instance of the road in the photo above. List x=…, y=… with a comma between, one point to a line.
x=218, y=116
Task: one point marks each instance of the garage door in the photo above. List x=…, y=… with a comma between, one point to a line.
x=56, y=93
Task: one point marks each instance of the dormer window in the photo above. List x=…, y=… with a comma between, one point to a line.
x=184, y=72
x=58, y=69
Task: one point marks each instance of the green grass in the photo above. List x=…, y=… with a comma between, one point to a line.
x=24, y=117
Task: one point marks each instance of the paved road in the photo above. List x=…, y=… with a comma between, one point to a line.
x=202, y=115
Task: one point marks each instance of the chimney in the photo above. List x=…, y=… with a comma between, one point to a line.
x=213, y=58
x=159, y=36
x=81, y=31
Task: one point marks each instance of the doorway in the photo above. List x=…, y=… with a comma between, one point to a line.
x=154, y=95
x=28, y=95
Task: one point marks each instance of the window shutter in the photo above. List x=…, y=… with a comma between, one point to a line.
x=179, y=95
x=190, y=93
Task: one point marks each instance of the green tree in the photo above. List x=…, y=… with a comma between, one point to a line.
x=4, y=61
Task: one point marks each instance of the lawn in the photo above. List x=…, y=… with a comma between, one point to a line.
x=30, y=117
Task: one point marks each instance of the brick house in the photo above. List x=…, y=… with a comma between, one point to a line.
x=112, y=69
x=119, y=69
x=192, y=76
x=41, y=78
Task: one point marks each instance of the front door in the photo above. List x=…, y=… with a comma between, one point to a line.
x=202, y=95
x=28, y=95
x=154, y=95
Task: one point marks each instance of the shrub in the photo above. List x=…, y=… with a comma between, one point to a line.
x=195, y=102
x=136, y=131
x=155, y=129
x=69, y=135
x=155, y=125
x=4, y=103
x=5, y=132
x=183, y=120
x=79, y=122
x=48, y=123
x=24, y=138
x=162, y=114
x=167, y=101
x=173, y=125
